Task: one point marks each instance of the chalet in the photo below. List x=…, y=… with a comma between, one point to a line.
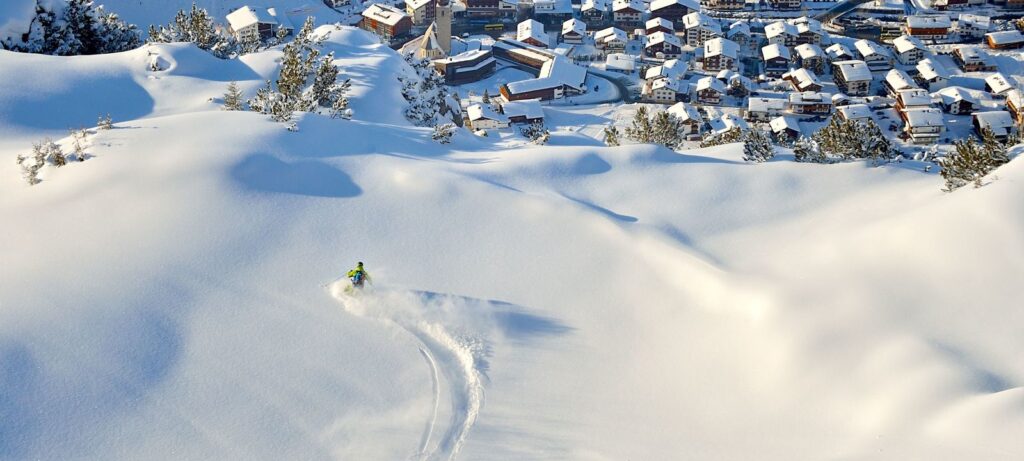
x=620, y=63
x=811, y=56
x=852, y=77
x=809, y=30
x=659, y=25
x=700, y=28
x=972, y=26
x=574, y=31
x=874, y=55
x=909, y=50
x=739, y=32
x=672, y=69
x=947, y=4
x=611, y=39
x=897, y=80
x=482, y=117
x=839, y=52
x=253, y=24
x=710, y=90
x=973, y=60
x=956, y=100
x=782, y=33
x=532, y=32
x=932, y=75
x=689, y=118
x=523, y=112
x=553, y=12
x=854, y=112
x=469, y=66
x=761, y=109
x=1003, y=40
x=489, y=8
x=663, y=91
x=736, y=84
x=595, y=11
x=719, y=54
x=810, y=103
x=386, y=21
x=663, y=46
x=627, y=13
x=784, y=4
x=913, y=98
x=803, y=80
x=727, y=122
x=999, y=122
x=673, y=10
x=723, y=5
x=785, y=128
x=997, y=84
x=776, y=59
x=421, y=12
x=558, y=77
x=932, y=27
x=923, y=126
x=1015, y=105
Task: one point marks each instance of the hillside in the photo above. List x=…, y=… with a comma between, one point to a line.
x=171, y=297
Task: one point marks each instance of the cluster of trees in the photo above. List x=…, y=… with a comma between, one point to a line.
x=973, y=160
x=307, y=82
x=195, y=26
x=443, y=133
x=734, y=134
x=73, y=27
x=47, y=152
x=660, y=128
x=845, y=140
x=537, y=133
x=425, y=92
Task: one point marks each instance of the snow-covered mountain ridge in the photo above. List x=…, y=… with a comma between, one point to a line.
x=164, y=299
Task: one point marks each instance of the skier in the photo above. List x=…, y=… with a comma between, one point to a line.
x=358, y=276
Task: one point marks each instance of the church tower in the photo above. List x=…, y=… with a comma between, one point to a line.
x=443, y=20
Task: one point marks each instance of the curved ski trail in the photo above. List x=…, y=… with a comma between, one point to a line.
x=459, y=358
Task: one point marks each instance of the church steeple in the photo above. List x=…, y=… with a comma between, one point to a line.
x=443, y=21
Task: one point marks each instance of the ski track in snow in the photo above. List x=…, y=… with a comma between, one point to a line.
x=457, y=357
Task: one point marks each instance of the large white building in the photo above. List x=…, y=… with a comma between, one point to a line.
x=253, y=23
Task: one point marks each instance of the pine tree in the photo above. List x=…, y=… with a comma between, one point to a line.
x=195, y=26
x=325, y=81
x=443, y=133
x=732, y=135
x=611, y=136
x=73, y=27
x=995, y=148
x=872, y=142
x=666, y=130
x=641, y=129
x=77, y=146
x=757, y=147
x=969, y=163
x=806, y=150
x=536, y=133
x=233, y=98
x=486, y=99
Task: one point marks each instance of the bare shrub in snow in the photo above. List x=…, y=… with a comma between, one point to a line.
x=105, y=122
x=443, y=133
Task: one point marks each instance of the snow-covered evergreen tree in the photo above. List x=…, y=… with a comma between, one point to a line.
x=666, y=130
x=969, y=163
x=995, y=148
x=641, y=130
x=73, y=27
x=734, y=134
x=425, y=91
x=443, y=133
x=195, y=26
x=806, y=150
x=233, y=98
x=611, y=136
x=78, y=144
x=537, y=133
x=105, y=122
x=757, y=147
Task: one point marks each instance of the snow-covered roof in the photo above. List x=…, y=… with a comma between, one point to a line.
x=660, y=37
x=952, y=94
x=620, y=61
x=972, y=55
x=634, y=5
x=936, y=21
x=1005, y=37
x=809, y=97
x=914, y=97
x=1015, y=97
x=805, y=25
x=766, y=105
x=905, y=43
x=555, y=72
x=738, y=28
x=247, y=16
x=417, y=4
x=899, y=80
x=663, y=83
x=779, y=28
x=684, y=112
x=783, y=123
x=610, y=34
x=531, y=29
x=600, y=5
x=931, y=70
x=710, y=83
x=721, y=46
x=838, y=50
x=484, y=111
x=698, y=19
x=574, y=26
x=775, y=51
x=659, y=22
x=999, y=121
x=974, y=20
x=855, y=111
x=529, y=108
x=727, y=122
x=923, y=117
x=659, y=4
x=809, y=50
x=868, y=48
x=998, y=83
x=804, y=77
x=385, y=14
x=853, y=70
x=672, y=68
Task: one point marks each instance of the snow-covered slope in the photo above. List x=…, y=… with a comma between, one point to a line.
x=165, y=299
